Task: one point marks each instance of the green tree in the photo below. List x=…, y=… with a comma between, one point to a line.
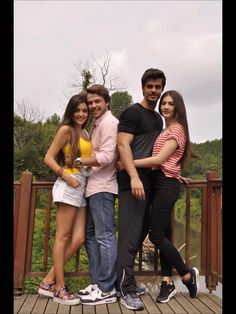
x=209, y=157
x=120, y=101
x=87, y=76
x=54, y=120
x=31, y=142
x=27, y=138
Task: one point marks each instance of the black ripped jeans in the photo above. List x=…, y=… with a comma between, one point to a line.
x=164, y=194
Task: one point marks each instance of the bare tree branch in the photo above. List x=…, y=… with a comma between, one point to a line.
x=99, y=72
x=28, y=112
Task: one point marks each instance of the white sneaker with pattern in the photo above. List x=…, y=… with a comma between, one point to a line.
x=99, y=297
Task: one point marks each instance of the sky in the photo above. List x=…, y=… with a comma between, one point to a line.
x=181, y=38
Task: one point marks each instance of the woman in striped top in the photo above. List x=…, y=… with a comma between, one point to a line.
x=171, y=152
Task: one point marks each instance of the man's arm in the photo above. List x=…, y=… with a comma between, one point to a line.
x=124, y=140
x=167, y=150
x=107, y=152
x=89, y=161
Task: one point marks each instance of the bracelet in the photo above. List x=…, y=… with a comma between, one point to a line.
x=60, y=171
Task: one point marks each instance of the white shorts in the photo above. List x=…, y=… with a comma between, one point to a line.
x=62, y=192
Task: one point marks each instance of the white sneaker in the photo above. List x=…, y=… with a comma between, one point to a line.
x=99, y=297
x=88, y=290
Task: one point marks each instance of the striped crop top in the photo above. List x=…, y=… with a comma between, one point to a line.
x=171, y=166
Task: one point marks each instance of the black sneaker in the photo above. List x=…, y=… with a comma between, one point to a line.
x=193, y=283
x=167, y=291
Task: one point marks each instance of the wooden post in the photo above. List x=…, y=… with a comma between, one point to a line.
x=204, y=229
x=22, y=230
x=211, y=281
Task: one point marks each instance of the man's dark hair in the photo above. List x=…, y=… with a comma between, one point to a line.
x=153, y=74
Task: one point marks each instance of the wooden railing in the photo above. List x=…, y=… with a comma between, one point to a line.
x=25, y=204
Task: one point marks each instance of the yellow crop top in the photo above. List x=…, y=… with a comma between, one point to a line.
x=85, y=147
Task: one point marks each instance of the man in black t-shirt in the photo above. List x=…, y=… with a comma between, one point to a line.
x=138, y=128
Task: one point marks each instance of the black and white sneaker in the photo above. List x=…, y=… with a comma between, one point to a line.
x=193, y=283
x=97, y=296
x=167, y=291
x=87, y=290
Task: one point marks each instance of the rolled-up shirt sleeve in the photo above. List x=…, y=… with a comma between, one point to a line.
x=108, y=145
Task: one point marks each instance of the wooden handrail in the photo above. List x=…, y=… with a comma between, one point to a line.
x=25, y=204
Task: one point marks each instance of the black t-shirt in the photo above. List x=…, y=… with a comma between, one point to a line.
x=145, y=125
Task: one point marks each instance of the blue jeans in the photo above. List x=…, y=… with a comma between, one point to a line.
x=100, y=242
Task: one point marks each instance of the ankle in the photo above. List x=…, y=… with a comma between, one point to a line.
x=186, y=277
x=58, y=286
x=48, y=280
x=167, y=279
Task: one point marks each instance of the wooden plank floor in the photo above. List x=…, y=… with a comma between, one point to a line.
x=181, y=303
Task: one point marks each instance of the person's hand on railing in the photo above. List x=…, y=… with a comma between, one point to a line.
x=184, y=179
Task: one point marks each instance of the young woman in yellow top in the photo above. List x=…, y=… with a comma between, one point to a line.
x=70, y=142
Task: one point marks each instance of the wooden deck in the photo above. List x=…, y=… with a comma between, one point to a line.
x=180, y=303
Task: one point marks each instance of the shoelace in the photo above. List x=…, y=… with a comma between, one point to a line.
x=133, y=295
x=48, y=285
x=65, y=292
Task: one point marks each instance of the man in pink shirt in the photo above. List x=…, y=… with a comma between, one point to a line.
x=101, y=190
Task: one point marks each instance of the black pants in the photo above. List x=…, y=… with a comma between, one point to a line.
x=133, y=226
x=165, y=193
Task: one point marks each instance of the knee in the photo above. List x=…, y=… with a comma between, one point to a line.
x=63, y=237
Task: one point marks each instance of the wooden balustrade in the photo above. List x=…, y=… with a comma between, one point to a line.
x=25, y=204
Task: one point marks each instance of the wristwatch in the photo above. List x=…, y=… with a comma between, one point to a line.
x=78, y=162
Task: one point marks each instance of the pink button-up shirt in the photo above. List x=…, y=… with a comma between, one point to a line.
x=104, y=141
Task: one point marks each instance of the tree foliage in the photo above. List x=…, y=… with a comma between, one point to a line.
x=120, y=101
x=31, y=142
x=209, y=158
x=32, y=138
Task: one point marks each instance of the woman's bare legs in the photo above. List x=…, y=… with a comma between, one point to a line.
x=76, y=240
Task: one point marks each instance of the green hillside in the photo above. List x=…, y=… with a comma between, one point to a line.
x=209, y=157
x=32, y=139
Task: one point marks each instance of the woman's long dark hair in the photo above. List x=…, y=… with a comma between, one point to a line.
x=67, y=119
x=181, y=118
